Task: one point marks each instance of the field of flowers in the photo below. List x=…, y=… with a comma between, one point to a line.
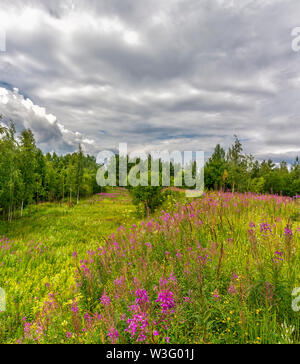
x=218, y=269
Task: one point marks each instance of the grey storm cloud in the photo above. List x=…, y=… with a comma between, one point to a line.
x=180, y=74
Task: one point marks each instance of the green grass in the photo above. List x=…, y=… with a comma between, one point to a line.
x=59, y=230
x=229, y=261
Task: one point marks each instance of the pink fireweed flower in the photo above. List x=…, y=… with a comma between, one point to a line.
x=232, y=290
x=163, y=282
x=234, y=276
x=142, y=296
x=138, y=325
x=120, y=281
x=113, y=335
x=216, y=295
x=166, y=300
x=269, y=292
x=74, y=307
x=288, y=232
x=172, y=278
x=265, y=228
x=87, y=317
x=178, y=255
x=105, y=300
x=68, y=335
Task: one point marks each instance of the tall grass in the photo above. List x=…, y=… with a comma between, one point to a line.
x=219, y=269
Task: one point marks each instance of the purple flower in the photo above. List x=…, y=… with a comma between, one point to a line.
x=74, y=307
x=138, y=325
x=216, y=294
x=172, y=277
x=113, y=335
x=234, y=276
x=105, y=300
x=120, y=281
x=166, y=300
x=264, y=228
x=142, y=296
x=232, y=290
x=288, y=232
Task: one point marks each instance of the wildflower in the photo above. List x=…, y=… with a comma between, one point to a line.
x=138, y=325
x=74, y=307
x=288, y=232
x=216, y=294
x=105, y=300
x=163, y=282
x=234, y=277
x=264, y=228
x=113, y=335
x=87, y=317
x=178, y=255
x=167, y=340
x=232, y=290
x=172, y=277
x=278, y=257
x=120, y=281
x=166, y=300
x=155, y=333
x=142, y=296
x=68, y=335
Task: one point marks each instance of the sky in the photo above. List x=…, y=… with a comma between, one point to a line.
x=157, y=75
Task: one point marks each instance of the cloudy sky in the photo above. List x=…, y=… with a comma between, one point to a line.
x=171, y=74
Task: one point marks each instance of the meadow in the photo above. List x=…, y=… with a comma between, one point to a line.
x=217, y=269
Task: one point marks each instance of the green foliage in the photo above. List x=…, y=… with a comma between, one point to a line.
x=148, y=198
x=237, y=171
x=28, y=177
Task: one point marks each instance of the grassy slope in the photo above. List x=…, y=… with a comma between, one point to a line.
x=40, y=261
x=42, y=247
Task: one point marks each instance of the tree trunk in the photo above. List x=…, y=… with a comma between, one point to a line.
x=77, y=195
x=22, y=205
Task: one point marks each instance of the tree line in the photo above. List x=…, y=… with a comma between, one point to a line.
x=238, y=171
x=27, y=176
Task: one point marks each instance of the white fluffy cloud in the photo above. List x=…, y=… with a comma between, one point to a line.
x=180, y=74
x=50, y=135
